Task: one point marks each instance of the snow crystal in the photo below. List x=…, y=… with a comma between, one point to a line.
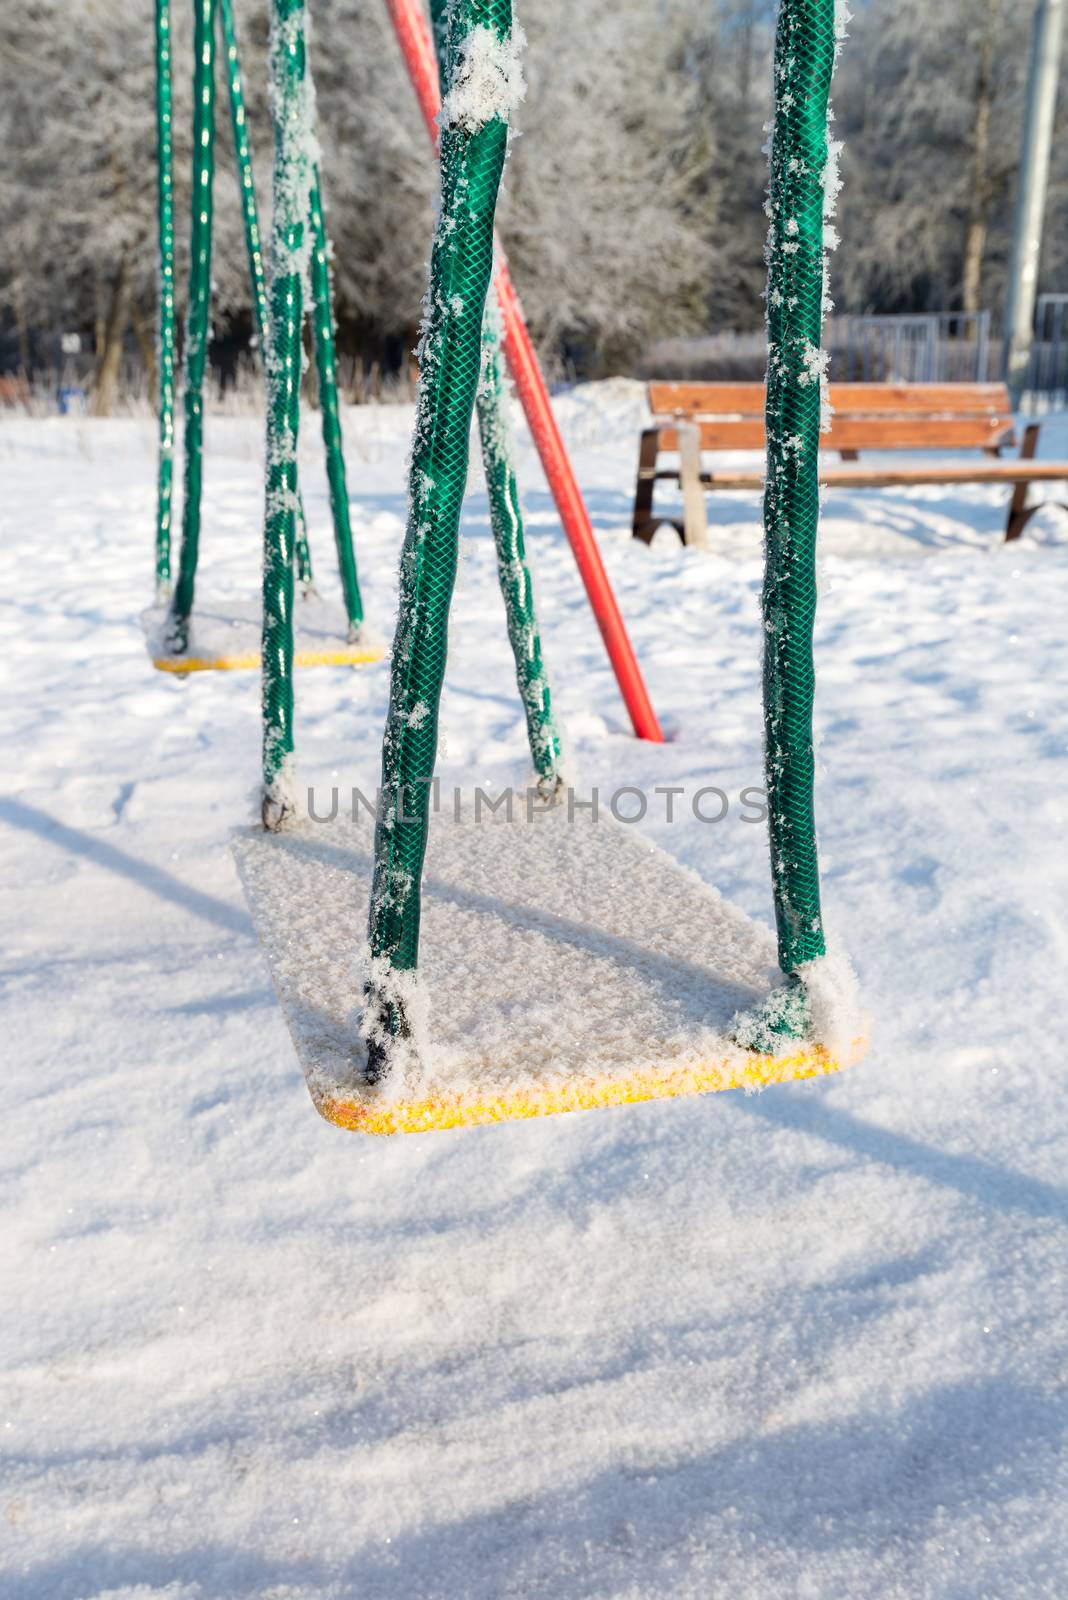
x=385, y=985
x=842, y=18
x=831, y=178
x=816, y=363
x=838, y=1020
x=488, y=79
x=280, y=804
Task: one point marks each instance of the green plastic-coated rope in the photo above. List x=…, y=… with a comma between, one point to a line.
x=290, y=237
x=801, y=183
x=253, y=238
x=472, y=160
x=506, y=517
x=198, y=316
x=513, y=568
x=246, y=184
x=326, y=367
x=165, y=313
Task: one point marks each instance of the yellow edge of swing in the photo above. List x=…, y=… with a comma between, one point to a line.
x=439, y=1113
x=353, y=655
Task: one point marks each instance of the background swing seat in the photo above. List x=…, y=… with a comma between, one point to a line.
x=566, y=965
x=225, y=636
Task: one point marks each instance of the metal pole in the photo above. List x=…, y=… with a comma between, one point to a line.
x=413, y=34
x=1031, y=192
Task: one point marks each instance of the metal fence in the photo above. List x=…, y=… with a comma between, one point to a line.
x=953, y=347
x=1047, y=384
x=937, y=347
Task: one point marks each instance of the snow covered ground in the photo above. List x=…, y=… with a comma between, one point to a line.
x=810, y=1343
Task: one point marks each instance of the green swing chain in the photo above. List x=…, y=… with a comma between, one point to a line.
x=253, y=239
x=290, y=236
x=197, y=321
x=165, y=328
x=802, y=189
x=506, y=517
x=472, y=160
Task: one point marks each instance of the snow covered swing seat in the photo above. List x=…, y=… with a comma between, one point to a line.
x=226, y=637
x=564, y=965
x=223, y=635
x=540, y=958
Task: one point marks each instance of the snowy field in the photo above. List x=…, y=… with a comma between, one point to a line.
x=809, y=1343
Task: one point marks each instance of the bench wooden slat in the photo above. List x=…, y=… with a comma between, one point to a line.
x=703, y=400
x=863, y=433
x=837, y=477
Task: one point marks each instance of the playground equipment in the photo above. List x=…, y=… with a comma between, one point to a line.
x=223, y=637
x=566, y=966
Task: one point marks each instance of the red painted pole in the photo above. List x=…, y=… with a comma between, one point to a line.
x=413, y=33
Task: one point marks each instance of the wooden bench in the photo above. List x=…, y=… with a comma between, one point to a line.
x=694, y=418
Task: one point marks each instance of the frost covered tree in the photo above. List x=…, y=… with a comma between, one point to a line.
x=608, y=244
x=727, y=55
x=78, y=199
x=930, y=105
x=598, y=206
x=929, y=102
x=378, y=175
x=78, y=182
x=632, y=206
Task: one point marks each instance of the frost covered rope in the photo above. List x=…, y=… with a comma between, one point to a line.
x=506, y=516
x=165, y=330
x=245, y=178
x=482, y=86
x=326, y=367
x=802, y=193
x=290, y=246
x=196, y=332
x=253, y=239
x=513, y=567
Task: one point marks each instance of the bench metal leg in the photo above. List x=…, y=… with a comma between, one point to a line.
x=644, y=524
x=1020, y=513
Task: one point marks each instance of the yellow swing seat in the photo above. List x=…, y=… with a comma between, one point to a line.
x=225, y=637
x=565, y=963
